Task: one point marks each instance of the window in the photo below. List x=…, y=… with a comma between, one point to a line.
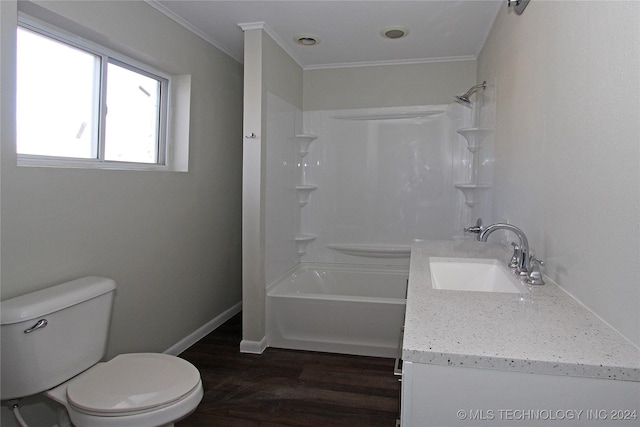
x=83, y=104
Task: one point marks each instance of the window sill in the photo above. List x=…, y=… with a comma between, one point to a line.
x=53, y=162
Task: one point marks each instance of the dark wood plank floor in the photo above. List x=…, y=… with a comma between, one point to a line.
x=288, y=387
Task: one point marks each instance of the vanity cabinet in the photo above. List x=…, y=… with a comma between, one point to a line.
x=536, y=358
x=448, y=396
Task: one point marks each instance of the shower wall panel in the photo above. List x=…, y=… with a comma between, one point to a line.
x=282, y=219
x=384, y=176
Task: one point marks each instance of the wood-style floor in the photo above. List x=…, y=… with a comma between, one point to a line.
x=289, y=387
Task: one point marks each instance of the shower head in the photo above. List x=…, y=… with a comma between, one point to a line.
x=464, y=99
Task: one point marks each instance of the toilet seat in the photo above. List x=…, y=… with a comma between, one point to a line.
x=141, y=389
x=132, y=383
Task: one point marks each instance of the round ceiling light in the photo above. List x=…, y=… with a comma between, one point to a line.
x=307, y=39
x=394, y=32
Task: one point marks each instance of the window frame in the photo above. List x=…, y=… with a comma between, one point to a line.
x=107, y=56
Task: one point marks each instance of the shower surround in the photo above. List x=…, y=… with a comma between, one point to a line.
x=384, y=177
x=347, y=189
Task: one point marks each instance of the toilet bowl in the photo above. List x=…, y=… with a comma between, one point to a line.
x=53, y=341
x=137, y=389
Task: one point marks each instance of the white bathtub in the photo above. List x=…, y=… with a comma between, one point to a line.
x=338, y=308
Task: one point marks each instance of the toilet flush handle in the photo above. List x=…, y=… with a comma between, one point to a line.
x=39, y=325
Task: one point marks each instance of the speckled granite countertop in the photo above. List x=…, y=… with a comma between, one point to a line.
x=543, y=332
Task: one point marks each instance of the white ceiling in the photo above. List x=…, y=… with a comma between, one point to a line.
x=349, y=31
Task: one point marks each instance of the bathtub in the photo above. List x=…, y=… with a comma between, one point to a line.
x=338, y=308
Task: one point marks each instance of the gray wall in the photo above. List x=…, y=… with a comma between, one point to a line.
x=567, y=78
x=172, y=241
x=387, y=85
x=282, y=76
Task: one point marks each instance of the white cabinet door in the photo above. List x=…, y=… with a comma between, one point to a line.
x=444, y=396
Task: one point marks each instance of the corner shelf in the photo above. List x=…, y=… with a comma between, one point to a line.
x=475, y=137
x=469, y=191
x=303, y=193
x=302, y=241
x=304, y=140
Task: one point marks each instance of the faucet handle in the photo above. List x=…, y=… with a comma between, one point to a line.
x=535, y=260
x=535, y=275
x=477, y=229
x=515, y=258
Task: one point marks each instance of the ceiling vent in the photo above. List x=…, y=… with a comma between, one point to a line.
x=307, y=39
x=394, y=32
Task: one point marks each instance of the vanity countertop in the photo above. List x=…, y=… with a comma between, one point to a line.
x=544, y=332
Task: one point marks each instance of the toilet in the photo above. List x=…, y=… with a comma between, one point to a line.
x=53, y=341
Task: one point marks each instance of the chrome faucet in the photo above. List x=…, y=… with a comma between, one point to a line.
x=523, y=262
x=522, y=253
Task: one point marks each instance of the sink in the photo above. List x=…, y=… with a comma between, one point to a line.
x=471, y=274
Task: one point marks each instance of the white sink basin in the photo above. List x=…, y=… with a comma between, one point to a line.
x=470, y=274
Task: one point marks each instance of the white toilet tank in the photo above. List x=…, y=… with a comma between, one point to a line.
x=51, y=335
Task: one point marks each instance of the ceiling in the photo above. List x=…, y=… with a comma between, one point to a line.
x=349, y=31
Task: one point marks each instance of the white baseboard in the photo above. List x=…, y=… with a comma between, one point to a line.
x=201, y=332
x=255, y=347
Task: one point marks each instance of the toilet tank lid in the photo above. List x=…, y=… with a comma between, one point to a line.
x=52, y=299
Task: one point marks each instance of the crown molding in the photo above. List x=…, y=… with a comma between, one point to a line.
x=391, y=62
x=181, y=21
x=261, y=25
